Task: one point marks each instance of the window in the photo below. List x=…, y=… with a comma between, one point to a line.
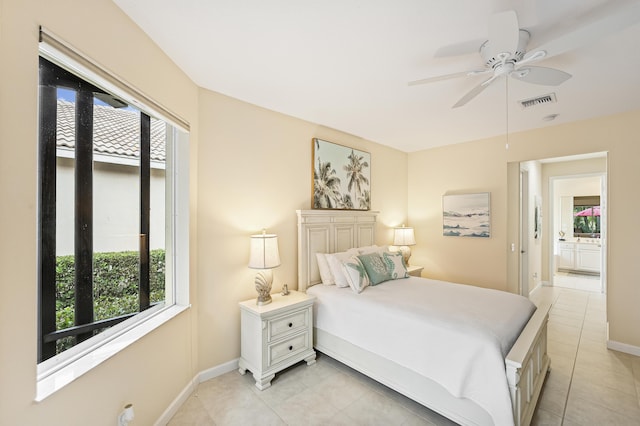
x=586, y=216
x=112, y=210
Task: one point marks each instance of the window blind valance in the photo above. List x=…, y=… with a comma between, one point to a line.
x=58, y=51
x=592, y=200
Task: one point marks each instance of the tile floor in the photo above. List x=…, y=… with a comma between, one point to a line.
x=577, y=281
x=587, y=385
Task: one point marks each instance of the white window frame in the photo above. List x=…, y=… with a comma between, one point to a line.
x=55, y=373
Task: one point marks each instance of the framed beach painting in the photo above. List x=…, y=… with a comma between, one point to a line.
x=341, y=177
x=466, y=215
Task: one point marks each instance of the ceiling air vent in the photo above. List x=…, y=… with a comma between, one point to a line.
x=538, y=100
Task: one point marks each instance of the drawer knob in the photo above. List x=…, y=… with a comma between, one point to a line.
x=290, y=324
x=290, y=348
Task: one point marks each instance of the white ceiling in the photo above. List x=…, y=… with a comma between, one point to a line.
x=345, y=64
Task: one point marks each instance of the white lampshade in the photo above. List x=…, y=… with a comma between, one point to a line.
x=264, y=251
x=403, y=236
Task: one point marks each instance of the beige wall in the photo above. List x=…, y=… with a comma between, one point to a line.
x=254, y=172
x=151, y=372
x=483, y=166
x=479, y=166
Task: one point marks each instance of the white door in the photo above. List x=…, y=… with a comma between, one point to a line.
x=524, y=233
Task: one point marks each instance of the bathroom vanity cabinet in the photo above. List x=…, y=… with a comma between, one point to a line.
x=579, y=256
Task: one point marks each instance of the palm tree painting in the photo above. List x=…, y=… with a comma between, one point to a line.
x=326, y=186
x=341, y=177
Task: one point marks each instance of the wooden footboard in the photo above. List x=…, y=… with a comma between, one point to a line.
x=527, y=364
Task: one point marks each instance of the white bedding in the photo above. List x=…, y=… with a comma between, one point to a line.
x=454, y=334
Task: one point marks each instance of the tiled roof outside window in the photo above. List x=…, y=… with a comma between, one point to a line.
x=116, y=132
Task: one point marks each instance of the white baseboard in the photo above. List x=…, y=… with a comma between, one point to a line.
x=216, y=371
x=534, y=289
x=623, y=347
x=182, y=397
x=175, y=405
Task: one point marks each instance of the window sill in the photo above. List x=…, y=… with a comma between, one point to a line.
x=51, y=383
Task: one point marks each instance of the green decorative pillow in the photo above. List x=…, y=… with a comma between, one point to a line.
x=395, y=265
x=355, y=274
x=375, y=267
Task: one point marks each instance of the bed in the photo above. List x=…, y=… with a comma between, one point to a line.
x=411, y=350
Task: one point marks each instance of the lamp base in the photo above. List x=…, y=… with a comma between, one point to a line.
x=406, y=254
x=261, y=300
x=263, y=282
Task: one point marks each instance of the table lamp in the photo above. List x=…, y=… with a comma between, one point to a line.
x=264, y=256
x=403, y=238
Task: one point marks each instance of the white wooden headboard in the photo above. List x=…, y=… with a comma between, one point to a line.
x=330, y=231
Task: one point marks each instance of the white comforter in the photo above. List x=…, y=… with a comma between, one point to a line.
x=456, y=335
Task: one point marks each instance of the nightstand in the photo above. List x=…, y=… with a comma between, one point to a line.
x=414, y=270
x=276, y=336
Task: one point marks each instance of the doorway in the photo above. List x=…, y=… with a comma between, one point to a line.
x=534, y=225
x=578, y=231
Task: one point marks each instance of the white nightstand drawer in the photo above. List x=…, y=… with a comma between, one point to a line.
x=288, y=348
x=288, y=324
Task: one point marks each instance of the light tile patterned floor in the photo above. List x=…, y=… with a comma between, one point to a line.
x=577, y=281
x=588, y=384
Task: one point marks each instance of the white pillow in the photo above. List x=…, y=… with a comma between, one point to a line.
x=335, y=265
x=356, y=275
x=372, y=249
x=325, y=271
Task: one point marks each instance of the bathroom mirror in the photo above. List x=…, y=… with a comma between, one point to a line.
x=580, y=216
x=586, y=216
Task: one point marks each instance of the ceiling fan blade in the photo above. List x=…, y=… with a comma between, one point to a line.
x=458, y=49
x=503, y=33
x=474, y=92
x=624, y=16
x=541, y=75
x=448, y=76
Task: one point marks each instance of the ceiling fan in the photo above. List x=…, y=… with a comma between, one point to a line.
x=504, y=53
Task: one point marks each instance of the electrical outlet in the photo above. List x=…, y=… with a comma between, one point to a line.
x=126, y=415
